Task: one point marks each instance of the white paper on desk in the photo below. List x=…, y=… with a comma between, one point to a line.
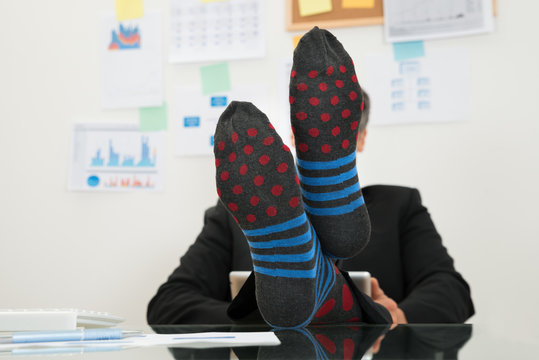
x=131, y=62
x=221, y=30
x=191, y=340
x=430, y=89
x=283, y=123
x=409, y=20
x=195, y=115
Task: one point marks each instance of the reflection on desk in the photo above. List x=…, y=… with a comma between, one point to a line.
x=338, y=342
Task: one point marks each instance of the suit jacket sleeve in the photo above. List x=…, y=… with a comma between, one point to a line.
x=198, y=292
x=435, y=292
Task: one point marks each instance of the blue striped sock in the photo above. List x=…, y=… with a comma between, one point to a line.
x=257, y=183
x=326, y=107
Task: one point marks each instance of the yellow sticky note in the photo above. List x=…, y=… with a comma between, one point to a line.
x=313, y=7
x=296, y=40
x=129, y=9
x=357, y=4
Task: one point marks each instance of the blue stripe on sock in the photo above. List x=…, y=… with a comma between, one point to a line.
x=303, y=257
x=298, y=240
x=304, y=274
x=300, y=220
x=330, y=180
x=339, y=210
x=326, y=165
x=331, y=195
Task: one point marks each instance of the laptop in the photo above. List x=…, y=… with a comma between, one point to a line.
x=362, y=279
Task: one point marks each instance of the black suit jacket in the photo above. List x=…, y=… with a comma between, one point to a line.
x=405, y=254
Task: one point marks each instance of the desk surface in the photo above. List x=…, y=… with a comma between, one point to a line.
x=337, y=342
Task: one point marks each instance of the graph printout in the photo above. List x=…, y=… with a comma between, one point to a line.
x=409, y=20
x=431, y=89
x=109, y=157
x=131, y=67
x=222, y=30
x=195, y=116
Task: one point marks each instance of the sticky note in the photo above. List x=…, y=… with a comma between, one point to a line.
x=129, y=9
x=357, y=4
x=153, y=118
x=313, y=7
x=408, y=50
x=215, y=78
x=296, y=39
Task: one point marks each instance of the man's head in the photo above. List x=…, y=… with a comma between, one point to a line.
x=363, y=121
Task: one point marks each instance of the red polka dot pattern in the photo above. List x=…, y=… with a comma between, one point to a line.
x=347, y=299
x=243, y=169
x=326, y=308
x=313, y=74
x=248, y=149
x=269, y=140
x=282, y=167
x=326, y=343
x=254, y=200
x=322, y=102
x=314, y=132
x=258, y=180
x=253, y=172
x=264, y=159
x=348, y=349
x=277, y=190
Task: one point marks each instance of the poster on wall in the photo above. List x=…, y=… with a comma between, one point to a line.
x=217, y=30
x=116, y=157
x=410, y=20
x=131, y=62
x=195, y=116
x=430, y=89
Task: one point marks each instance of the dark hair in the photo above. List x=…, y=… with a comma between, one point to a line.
x=366, y=109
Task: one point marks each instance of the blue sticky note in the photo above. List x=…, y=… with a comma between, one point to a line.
x=408, y=50
x=191, y=121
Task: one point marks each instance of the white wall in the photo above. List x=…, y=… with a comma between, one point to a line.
x=110, y=252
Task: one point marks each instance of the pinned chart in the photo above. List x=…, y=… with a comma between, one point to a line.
x=195, y=117
x=431, y=88
x=111, y=157
x=131, y=67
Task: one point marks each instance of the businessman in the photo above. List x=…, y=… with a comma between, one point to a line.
x=414, y=278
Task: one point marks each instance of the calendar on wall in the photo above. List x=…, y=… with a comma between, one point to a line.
x=220, y=30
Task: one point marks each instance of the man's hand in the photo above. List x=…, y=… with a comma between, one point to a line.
x=381, y=298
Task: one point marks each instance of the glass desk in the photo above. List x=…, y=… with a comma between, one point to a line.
x=350, y=341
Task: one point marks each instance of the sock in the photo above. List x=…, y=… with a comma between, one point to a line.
x=326, y=106
x=258, y=184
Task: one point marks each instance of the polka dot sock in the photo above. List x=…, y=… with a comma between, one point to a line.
x=258, y=184
x=326, y=106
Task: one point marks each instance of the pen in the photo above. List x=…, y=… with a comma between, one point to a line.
x=68, y=335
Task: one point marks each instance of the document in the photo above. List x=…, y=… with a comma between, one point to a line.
x=195, y=115
x=131, y=62
x=213, y=31
x=409, y=20
x=429, y=89
x=190, y=340
x=116, y=157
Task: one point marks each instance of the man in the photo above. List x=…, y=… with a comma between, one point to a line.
x=405, y=254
